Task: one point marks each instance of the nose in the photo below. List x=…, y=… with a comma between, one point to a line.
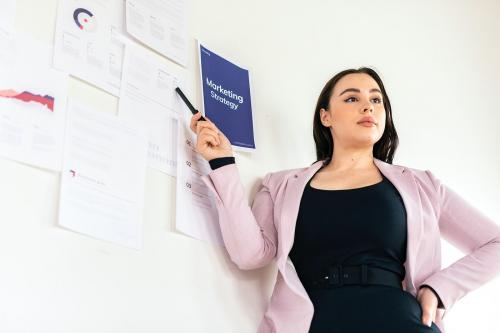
x=370, y=108
x=367, y=105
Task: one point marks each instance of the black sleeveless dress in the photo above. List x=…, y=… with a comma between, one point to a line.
x=365, y=225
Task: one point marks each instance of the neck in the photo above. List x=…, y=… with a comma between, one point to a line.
x=349, y=159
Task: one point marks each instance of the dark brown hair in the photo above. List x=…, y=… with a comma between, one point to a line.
x=383, y=149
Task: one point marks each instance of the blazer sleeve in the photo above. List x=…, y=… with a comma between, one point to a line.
x=472, y=232
x=248, y=233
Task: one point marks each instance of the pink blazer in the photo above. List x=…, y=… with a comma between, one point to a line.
x=265, y=232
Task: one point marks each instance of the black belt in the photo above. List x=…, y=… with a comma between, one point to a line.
x=339, y=275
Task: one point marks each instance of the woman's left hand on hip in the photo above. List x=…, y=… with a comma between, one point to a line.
x=428, y=302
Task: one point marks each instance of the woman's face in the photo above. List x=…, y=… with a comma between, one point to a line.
x=354, y=97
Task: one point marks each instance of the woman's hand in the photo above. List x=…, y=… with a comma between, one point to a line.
x=211, y=142
x=429, y=303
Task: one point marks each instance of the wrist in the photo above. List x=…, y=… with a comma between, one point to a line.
x=440, y=303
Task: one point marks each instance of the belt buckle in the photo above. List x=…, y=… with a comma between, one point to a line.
x=335, y=275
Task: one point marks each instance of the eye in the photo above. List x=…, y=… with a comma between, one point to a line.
x=379, y=99
x=349, y=99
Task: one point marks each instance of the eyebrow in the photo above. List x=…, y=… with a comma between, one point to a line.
x=357, y=90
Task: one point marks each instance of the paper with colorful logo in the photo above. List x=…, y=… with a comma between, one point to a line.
x=88, y=41
x=103, y=178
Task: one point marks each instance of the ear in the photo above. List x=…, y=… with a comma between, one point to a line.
x=326, y=117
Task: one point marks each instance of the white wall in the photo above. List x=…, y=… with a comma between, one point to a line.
x=440, y=63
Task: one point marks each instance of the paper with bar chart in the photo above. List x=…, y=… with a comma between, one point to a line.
x=147, y=96
x=32, y=112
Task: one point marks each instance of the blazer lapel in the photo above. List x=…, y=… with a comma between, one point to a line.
x=404, y=181
x=286, y=229
x=399, y=176
x=291, y=202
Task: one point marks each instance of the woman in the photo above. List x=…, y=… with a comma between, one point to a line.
x=356, y=238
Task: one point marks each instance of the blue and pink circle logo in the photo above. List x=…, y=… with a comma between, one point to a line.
x=85, y=20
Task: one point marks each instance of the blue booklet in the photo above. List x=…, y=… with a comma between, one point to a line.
x=226, y=98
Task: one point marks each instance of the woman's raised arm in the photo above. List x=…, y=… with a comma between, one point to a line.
x=248, y=233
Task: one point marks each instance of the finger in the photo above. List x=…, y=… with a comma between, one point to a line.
x=205, y=124
x=211, y=132
x=209, y=124
x=194, y=120
x=207, y=138
x=427, y=317
x=208, y=131
x=209, y=121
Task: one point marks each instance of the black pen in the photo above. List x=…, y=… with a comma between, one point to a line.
x=188, y=103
